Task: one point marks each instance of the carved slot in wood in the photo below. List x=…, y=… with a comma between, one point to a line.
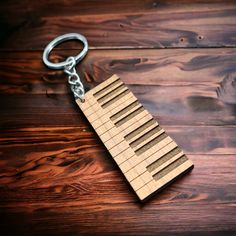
x=119, y=96
x=111, y=93
x=151, y=143
x=163, y=159
x=129, y=116
x=124, y=110
x=145, y=136
x=108, y=87
x=140, y=129
x=169, y=168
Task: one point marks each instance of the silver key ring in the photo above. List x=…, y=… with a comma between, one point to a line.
x=69, y=64
x=60, y=39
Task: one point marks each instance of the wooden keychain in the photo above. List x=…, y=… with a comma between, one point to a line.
x=146, y=155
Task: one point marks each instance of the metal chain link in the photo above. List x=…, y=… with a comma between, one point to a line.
x=74, y=80
x=68, y=66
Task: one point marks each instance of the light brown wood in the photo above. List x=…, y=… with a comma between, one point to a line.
x=145, y=154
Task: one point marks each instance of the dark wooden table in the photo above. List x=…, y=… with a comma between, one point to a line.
x=178, y=57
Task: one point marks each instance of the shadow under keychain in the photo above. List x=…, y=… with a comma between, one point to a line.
x=146, y=155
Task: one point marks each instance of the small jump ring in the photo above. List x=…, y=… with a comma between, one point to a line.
x=58, y=40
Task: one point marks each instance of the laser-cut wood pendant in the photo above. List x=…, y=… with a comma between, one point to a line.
x=145, y=154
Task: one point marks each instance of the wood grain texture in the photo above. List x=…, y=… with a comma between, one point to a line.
x=177, y=86
x=143, y=24
x=56, y=177
x=71, y=196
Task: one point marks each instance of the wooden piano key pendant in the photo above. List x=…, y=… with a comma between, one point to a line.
x=146, y=155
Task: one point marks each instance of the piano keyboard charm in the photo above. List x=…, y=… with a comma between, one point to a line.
x=146, y=155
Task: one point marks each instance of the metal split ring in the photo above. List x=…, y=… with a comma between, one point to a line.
x=58, y=40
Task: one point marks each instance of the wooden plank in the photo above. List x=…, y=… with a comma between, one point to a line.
x=179, y=67
x=188, y=110
x=74, y=7
x=144, y=25
x=81, y=7
x=201, y=140
x=194, y=85
x=71, y=188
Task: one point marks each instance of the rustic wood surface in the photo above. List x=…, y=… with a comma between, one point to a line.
x=179, y=59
